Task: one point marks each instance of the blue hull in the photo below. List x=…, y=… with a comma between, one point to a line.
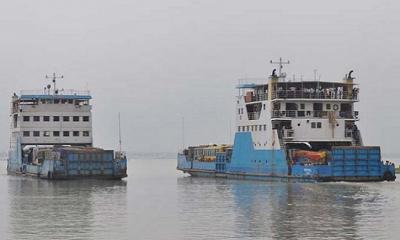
x=355, y=164
x=73, y=165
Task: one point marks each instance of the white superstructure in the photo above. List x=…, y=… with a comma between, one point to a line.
x=315, y=113
x=52, y=117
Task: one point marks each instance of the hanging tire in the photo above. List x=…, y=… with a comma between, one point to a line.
x=388, y=176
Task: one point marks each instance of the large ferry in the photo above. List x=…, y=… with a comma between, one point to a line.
x=52, y=138
x=288, y=129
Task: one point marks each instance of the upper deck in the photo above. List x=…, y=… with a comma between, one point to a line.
x=300, y=90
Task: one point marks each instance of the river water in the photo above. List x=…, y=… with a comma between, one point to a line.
x=157, y=202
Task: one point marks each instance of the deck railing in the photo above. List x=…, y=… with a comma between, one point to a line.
x=313, y=114
x=61, y=92
x=314, y=94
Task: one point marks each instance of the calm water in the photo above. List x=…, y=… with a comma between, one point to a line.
x=157, y=202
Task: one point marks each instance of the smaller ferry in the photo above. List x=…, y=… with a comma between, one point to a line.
x=52, y=138
x=288, y=129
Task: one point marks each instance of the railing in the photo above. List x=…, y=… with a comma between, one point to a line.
x=313, y=114
x=255, y=98
x=313, y=94
x=253, y=115
x=60, y=92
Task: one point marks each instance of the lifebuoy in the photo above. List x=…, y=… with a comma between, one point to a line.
x=335, y=107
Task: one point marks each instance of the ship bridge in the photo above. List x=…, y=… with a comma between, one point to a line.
x=52, y=117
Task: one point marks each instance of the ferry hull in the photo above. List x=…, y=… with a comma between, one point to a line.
x=245, y=176
x=73, y=165
x=352, y=164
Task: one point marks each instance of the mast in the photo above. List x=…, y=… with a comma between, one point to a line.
x=119, y=132
x=54, y=78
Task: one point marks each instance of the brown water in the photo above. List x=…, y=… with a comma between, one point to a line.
x=157, y=202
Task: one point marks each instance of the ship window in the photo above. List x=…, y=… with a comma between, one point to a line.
x=26, y=133
x=85, y=133
x=36, y=118
x=265, y=127
x=75, y=133
x=248, y=128
x=56, y=133
x=63, y=100
x=26, y=118
x=313, y=124
x=319, y=124
x=300, y=113
x=56, y=118
x=328, y=106
x=264, y=106
x=46, y=118
x=76, y=118
x=86, y=118
x=56, y=101
x=36, y=133
x=239, y=129
x=66, y=134
x=302, y=106
x=65, y=118
x=260, y=128
x=46, y=134
x=255, y=128
x=70, y=101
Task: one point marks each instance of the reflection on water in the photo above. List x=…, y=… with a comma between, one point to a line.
x=157, y=202
x=41, y=209
x=218, y=208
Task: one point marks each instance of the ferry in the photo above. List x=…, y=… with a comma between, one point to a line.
x=52, y=137
x=290, y=129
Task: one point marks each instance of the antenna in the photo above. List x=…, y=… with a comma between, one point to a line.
x=54, y=77
x=280, y=64
x=183, y=133
x=119, y=132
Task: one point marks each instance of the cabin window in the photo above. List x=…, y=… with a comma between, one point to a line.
x=319, y=124
x=76, y=118
x=248, y=128
x=26, y=133
x=56, y=118
x=36, y=133
x=36, y=118
x=260, y=128
x=239, y=129
x=75, y=133
x=66, y=133
x=46, y=118
x=302, y=106
x=85, y=133
x=239, y=110
x=56, y=133
x=70, y=101
x=65, y=118
x=264, y=106
x=46, y=134
x=86, y=118
x=328, y=106
x=26, y=118
x=313, y=125
x=265, y=127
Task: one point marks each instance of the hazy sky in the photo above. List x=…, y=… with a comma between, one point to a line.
x=158, y=60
